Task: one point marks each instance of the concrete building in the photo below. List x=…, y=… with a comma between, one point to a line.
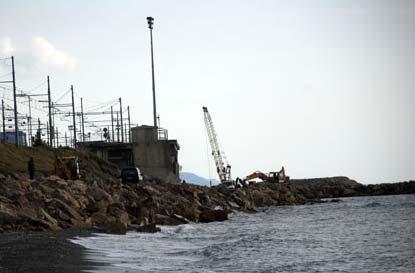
x=121, y=154
x=150, y=150
x=154, y=153
x=11, y=137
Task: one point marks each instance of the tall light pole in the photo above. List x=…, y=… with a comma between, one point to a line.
x=150, y=26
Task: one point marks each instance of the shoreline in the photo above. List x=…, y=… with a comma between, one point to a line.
x=45, y=252
x=53, y=251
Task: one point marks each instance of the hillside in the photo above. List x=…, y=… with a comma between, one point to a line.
x=196, y=179
x=13, y=160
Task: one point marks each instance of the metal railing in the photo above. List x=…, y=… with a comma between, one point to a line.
x=162, y=134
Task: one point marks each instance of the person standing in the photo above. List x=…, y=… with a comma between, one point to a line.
x=31, y=168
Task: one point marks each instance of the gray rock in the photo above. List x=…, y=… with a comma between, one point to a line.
x=116, y=227
x=210, y=215
x=165, y=220
x=149, y=228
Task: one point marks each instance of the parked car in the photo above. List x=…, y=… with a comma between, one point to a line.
x=131, y=174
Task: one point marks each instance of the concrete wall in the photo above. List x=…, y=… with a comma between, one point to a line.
x=155, y=158
x=144, y=134
x=121, y=154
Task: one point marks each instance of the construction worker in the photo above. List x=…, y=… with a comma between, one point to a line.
x=31, y=168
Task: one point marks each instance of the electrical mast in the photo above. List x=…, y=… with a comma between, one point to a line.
x=222, y=166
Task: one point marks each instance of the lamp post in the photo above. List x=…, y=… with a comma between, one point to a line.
x=150, y=26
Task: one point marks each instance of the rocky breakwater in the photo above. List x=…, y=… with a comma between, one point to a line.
x=51, y=203
x=341, y=186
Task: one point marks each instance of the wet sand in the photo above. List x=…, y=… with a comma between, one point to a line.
x=44, y=252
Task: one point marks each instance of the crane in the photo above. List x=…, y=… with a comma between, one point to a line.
x=222, y=166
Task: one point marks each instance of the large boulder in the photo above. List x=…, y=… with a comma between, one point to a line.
x=97, y=194
x=7, y=216
x=118, y=211
x=66, y=196
x=116, y=227
x=67, y=215
x=151, y=190
x=210, y=215
x=78, y=186
x=165, y=220
x=149, y=228
x=53, y=223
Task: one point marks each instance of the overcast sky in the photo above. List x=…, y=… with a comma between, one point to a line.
x=324, y=88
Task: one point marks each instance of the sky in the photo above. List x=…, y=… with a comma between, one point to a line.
x=323, y=88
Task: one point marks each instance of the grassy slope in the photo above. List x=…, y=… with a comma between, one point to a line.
x=14, y=159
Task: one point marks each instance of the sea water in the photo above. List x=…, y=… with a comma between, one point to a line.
x=359, y=234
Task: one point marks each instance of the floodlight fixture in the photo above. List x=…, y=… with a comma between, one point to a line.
x=150, y=22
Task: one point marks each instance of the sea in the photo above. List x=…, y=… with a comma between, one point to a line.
x=358, y=234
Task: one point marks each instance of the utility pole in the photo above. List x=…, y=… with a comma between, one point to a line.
x=118, y=129
x=4, y=120
x=73, y=117
x=29, y=120
x=38, y=128
x=16, y=123
x=28, y=131
x=82, y=117
x=129, y=125
x=57, y=138
x=122, y=130
x=125, y=130
x=50, y=116
x=47, y=132
x=53, y=124
x=150, y=26
x=70, y=135
x=66, y=140
x=112, y=125
x=80, y=127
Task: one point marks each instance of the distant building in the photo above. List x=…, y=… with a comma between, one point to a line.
x=150, y=150
x=11, y=138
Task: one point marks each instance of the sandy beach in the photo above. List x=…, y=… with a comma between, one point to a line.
x=43, y=252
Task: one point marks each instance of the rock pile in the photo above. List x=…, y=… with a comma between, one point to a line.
x=53, y=203
x=101, y=201
x=340, y=186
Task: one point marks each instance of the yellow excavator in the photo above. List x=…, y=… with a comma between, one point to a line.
x=67, y=167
